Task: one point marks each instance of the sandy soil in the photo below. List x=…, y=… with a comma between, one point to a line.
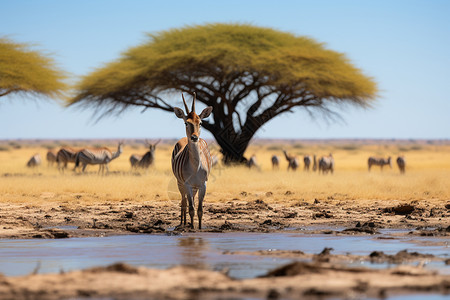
x=325, y=276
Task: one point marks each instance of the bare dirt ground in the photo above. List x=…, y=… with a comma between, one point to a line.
x=325, y=276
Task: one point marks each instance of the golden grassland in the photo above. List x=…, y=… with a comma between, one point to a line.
x=427, y=176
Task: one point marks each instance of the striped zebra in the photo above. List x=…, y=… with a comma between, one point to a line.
x=64, y=156
x=326, y=164
x=292, y=161
x=97, y=156
x=34, y=161
x=51, y=157
x=275, y=162
x=191, y=162
x=401, y=163
x=146, y=160
x=379, y=161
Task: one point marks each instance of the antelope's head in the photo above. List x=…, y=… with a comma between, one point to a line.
x=151, y=147
x=192, y=121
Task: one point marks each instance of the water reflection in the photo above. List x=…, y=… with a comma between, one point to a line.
x=194, y=251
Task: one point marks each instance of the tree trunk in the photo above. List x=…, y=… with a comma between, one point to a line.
x=232, y=144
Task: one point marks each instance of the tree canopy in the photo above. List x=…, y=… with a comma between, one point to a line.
x=23, y=70
x=248, y=74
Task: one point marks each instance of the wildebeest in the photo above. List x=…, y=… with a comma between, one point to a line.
x=379, y=161
x=401, y=163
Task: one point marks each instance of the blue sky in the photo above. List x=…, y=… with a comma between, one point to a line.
x=404, y=45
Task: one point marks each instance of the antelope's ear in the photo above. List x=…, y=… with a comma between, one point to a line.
x=179, y=113
x=206, y=112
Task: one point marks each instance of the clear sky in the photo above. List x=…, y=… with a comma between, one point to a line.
x=403, y=44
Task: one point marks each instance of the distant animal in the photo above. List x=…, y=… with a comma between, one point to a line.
x=252, y=163
x=146, y=160
x=326, y=164
x=34, y=161
x=314, y=167
x=214, y=160
x=64, y=156
x=379, y=161
x=275, y=162
x=51, y=157
x=307, y=159
x=97, y=156
x=292, y=161
x=191, y=162
x=401, y=163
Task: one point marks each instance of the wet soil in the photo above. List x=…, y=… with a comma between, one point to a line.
x=324, y=275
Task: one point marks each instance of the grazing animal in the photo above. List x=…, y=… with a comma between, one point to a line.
x=253, y=162
x=326, y=164
x=64, y=156
x=97, y=156
x=51, y=157
x=401, y=163
x=292, y=161
x=146, y=160
x=275, y=162
x=191, y=162
x=307, y=159
x=379, y=161
x=34, y=161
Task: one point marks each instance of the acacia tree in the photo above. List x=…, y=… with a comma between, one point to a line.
x=248, y=74
x=23, y=70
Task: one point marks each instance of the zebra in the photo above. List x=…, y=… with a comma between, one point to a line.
x=146, y=160
x=34, y=161
x=97, y=156
x=326, y=164
x=292, y=161
x=379, y=161
x=51, y=157
x=64, y=156
x=401, y=163
x=191, y=162
x=275, y=162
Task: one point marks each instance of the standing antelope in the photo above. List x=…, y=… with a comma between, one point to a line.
x=307, y=160
x=146, y=160
x=401, y=163
x=191, y=162
x=64, y=156
x=97, y=156
x=292, y=161
x=51, y=157
x=34, y=161
x=326, y=164
x=253, y=163
x=379, y=161
x=275, y=162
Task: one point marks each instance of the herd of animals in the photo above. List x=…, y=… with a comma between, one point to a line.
x=325, y=164
x=191, y=161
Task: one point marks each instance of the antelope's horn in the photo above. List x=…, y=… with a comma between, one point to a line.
x=185, y=105
x=193, y=103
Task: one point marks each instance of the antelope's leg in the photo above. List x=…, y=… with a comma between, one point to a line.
x=190, y=198
x=201, y=196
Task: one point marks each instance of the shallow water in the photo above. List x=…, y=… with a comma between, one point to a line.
x=21, y=257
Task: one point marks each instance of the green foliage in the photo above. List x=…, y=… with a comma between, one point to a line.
x=224, y=50
x=27, y=71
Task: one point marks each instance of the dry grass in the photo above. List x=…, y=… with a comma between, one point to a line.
x=427, y=177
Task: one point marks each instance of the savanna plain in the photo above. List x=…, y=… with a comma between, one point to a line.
x=44, y=203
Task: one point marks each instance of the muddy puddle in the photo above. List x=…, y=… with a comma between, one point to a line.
x=230, y=252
